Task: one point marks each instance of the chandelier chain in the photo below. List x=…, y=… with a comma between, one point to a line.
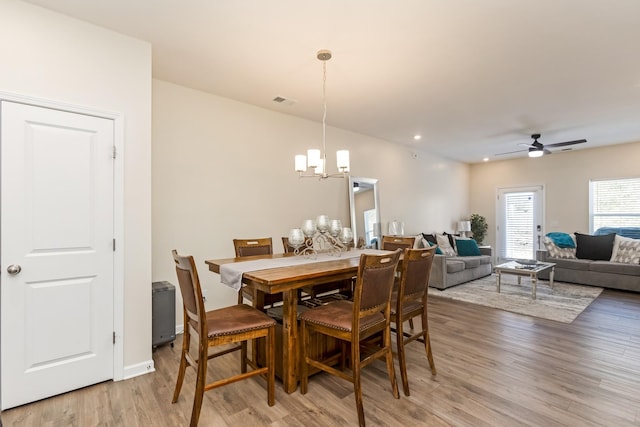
x=324, y=112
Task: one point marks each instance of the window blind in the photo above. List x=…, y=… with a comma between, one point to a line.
x=615, y=203
x=519, y=225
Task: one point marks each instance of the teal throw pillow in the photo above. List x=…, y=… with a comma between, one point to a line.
x=467, y=247
x=430, y=243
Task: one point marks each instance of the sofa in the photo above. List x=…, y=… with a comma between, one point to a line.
x=449, y=270
x=621, y=270
x=453, y=266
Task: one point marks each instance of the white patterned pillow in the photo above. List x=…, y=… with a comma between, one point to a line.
x=444, y=245
x=626, y=250
x=555, y=252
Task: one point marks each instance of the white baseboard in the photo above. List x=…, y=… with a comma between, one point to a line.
x=139, y=369
x=145, y=367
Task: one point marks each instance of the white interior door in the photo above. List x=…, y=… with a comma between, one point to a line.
x=520, y=222
x=57, y=227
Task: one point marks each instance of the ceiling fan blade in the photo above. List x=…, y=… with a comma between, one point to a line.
x=546, y=151
x=526, y=145
x=564, y=144
x=510, y=152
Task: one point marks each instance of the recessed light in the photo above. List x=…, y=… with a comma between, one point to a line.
x=486, y=159
x=417, y=137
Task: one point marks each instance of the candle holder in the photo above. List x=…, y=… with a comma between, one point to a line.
x=320, y=236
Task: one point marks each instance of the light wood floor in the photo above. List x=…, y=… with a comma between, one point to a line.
x=494, y=369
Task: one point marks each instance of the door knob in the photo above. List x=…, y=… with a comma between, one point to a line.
x=14, y=269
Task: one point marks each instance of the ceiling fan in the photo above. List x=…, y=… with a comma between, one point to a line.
x=537, y=149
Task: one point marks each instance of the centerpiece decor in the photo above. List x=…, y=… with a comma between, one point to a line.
x=323, y=235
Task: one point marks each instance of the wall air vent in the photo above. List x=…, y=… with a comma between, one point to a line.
x=284, y=101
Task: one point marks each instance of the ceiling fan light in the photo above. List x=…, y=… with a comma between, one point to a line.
x=536, y=152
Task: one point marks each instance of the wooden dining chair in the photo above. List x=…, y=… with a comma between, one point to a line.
x=234, y=325
x=286, y=246
x=409, y=301
x=354, y=322
x=252, y=247
x=391, y=243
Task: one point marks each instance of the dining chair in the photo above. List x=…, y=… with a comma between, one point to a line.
x=235, y=325
x=391, y=243
x=354, y=322
x=286, y=246
x=252, y=247
x=409, y=301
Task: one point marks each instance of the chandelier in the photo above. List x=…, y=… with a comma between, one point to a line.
x=315, y=159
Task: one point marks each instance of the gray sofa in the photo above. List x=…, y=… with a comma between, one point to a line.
x=595, y=273
x=449, y=271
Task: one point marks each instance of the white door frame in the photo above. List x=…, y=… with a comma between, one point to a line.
x=118, y=214
x=500, y=217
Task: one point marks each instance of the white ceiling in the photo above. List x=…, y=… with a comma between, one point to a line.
x=473, y=77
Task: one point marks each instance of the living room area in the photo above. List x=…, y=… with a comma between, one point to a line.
x=201, y=169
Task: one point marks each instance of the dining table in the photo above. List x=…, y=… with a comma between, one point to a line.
x=287, y=273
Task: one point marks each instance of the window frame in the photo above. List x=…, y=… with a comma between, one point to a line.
x=592, y=215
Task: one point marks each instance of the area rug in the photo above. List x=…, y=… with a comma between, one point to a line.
x=563, y=304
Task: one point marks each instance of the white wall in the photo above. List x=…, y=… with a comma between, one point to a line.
x=224, y=170
x=50, y=56
x=565, y=176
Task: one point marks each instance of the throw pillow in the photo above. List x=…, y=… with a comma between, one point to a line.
x=594, y=247
x=431, y=238
x=562, y=240
x=452, y=239
x=553, y=251
x=427, y=244
x=467, y=247
x=626, y=250
x=444, y=245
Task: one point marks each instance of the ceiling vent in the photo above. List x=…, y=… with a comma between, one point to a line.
x=284, y=101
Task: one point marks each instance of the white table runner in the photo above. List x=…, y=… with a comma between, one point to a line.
x=231, y=273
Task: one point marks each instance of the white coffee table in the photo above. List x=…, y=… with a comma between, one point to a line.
x=518, y=269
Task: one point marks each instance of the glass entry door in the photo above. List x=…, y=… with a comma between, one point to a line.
x=520, y=223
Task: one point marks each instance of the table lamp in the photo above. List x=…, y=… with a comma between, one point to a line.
x=464, y=227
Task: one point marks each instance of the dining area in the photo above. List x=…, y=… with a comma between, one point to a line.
x=296, y=334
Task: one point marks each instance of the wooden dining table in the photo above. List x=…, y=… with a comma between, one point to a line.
x=289, y=280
